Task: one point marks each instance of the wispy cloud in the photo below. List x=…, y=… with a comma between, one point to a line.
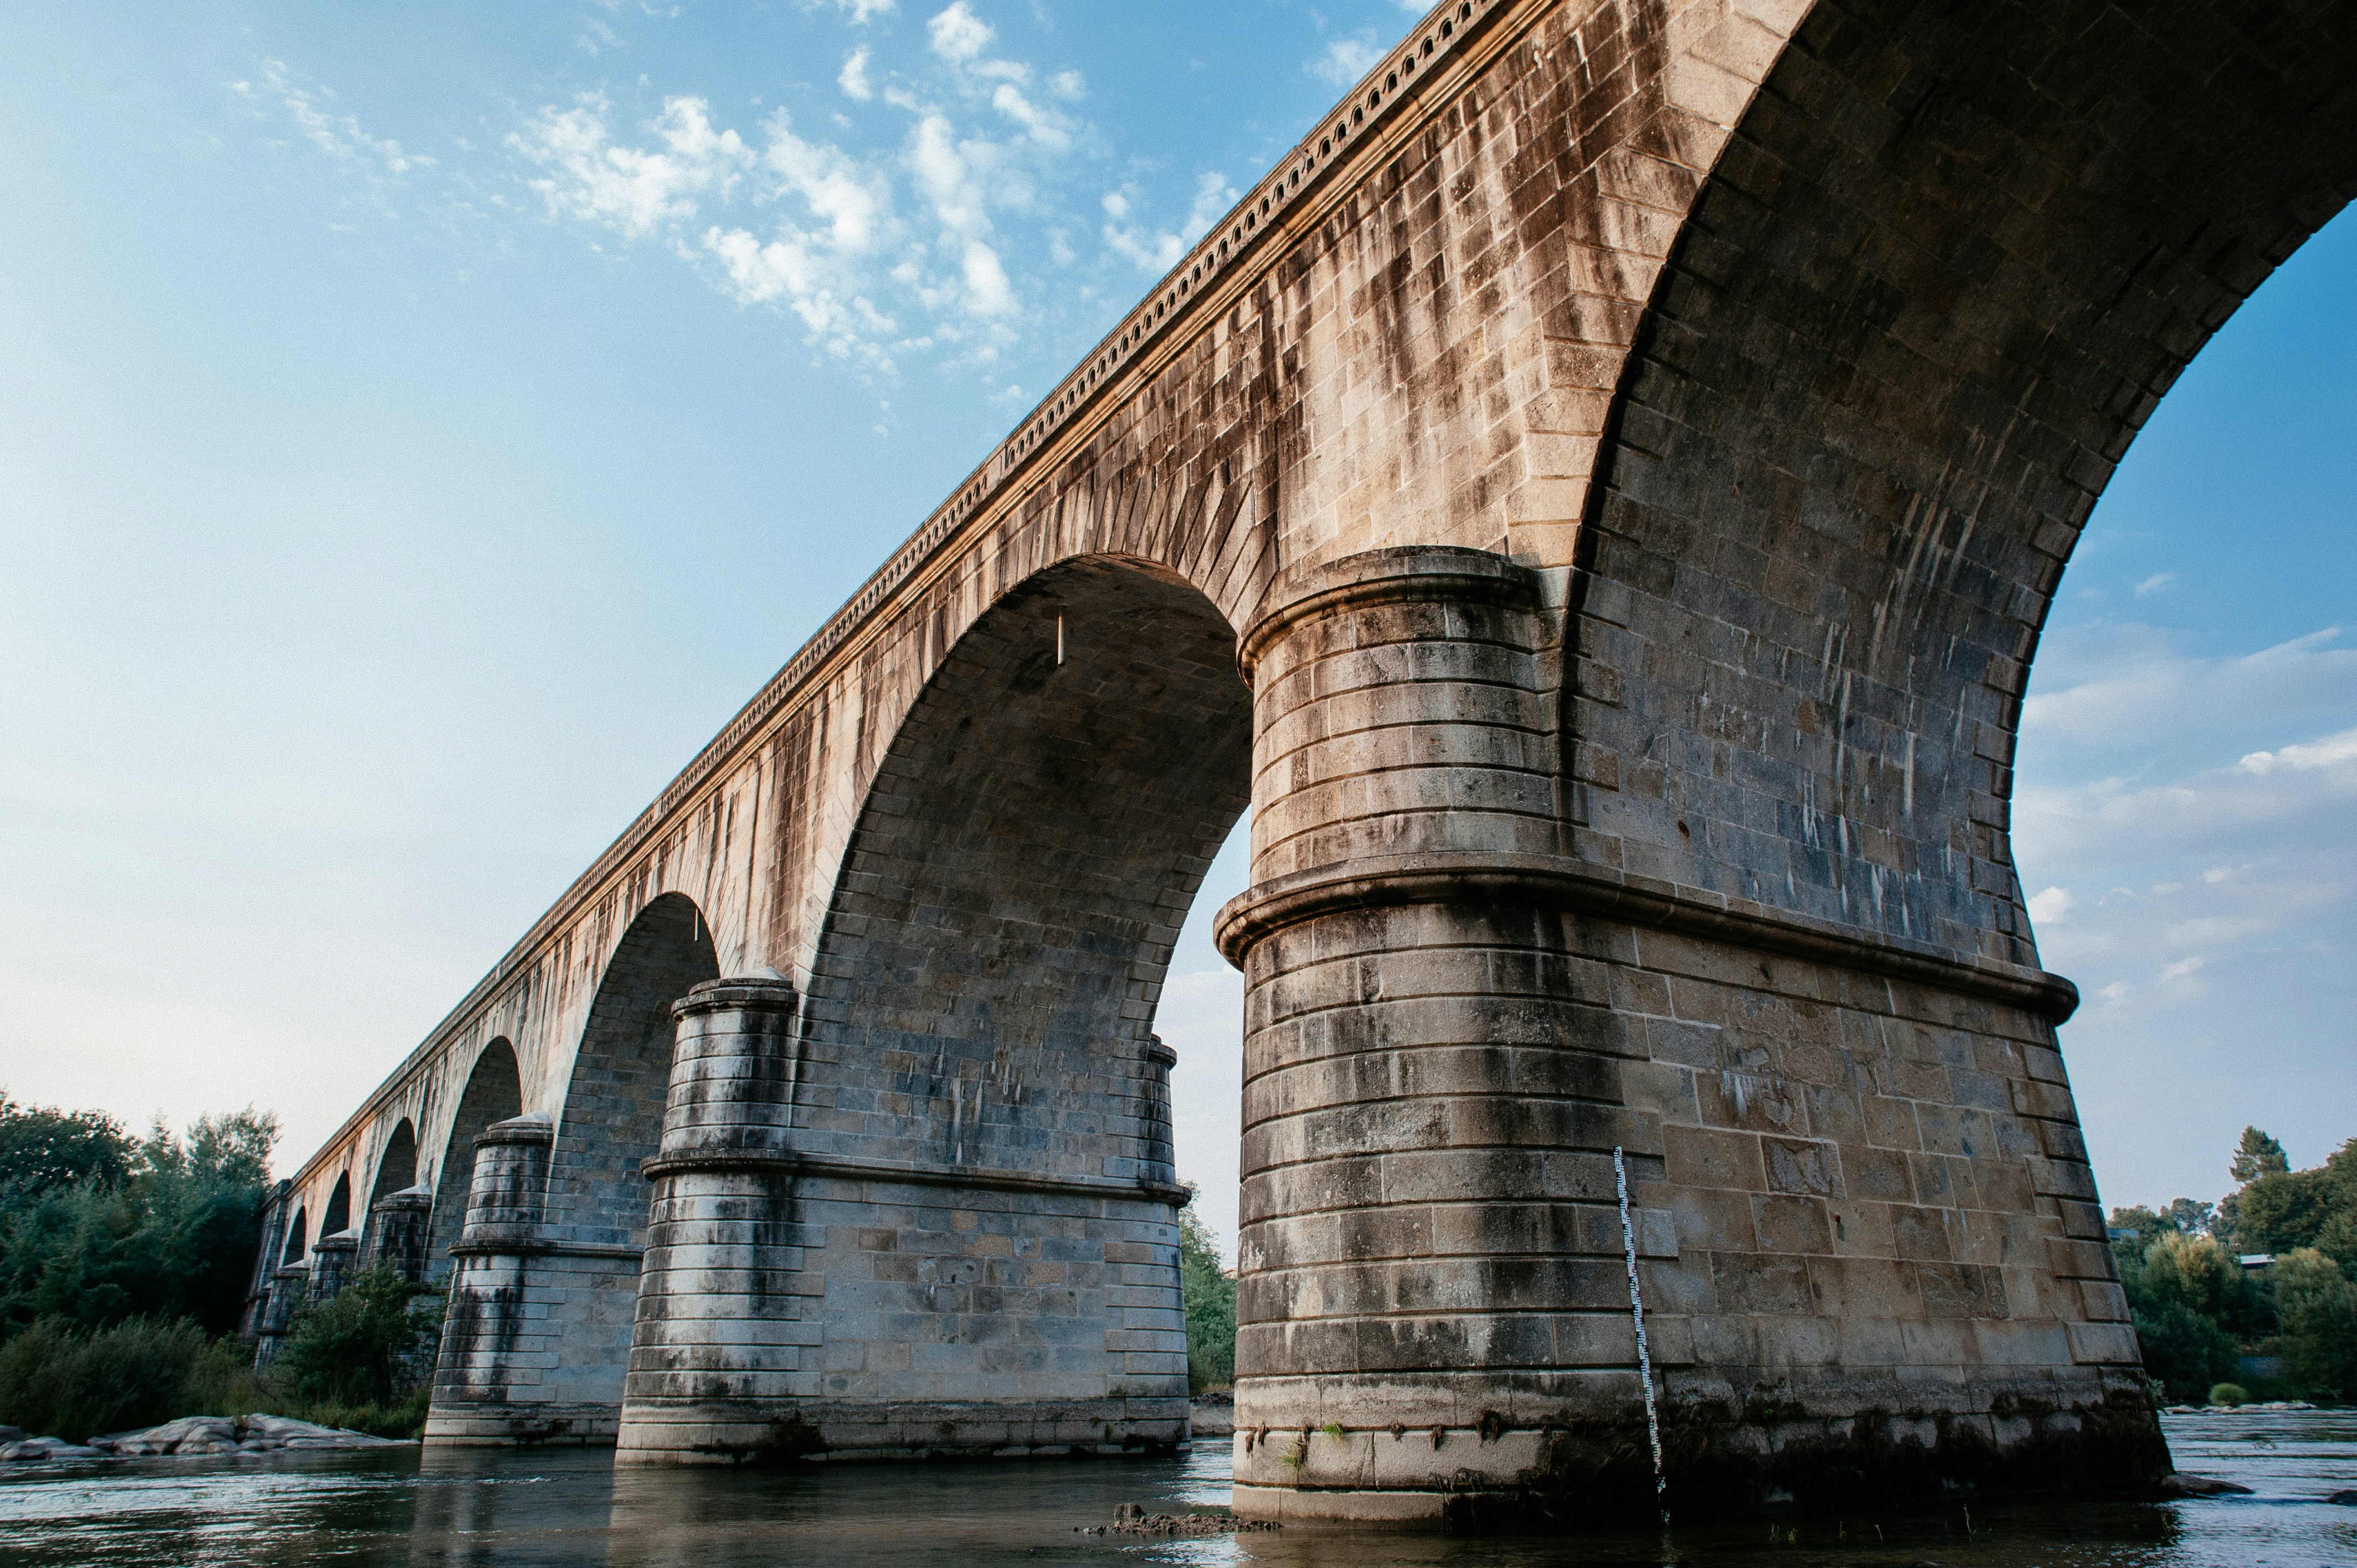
x=1344, y=60
x=859, y=12
x=2128, y=686
x=379, y=162
x=1159, y=250
x=853, y=77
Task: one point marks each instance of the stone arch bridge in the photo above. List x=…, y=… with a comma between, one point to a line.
x=1595, y=503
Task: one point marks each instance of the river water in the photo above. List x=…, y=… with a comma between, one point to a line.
x=568, y=1508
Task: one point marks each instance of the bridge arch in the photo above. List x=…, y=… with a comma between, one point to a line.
x=609, y=1123
x=1941, y=273
x=337, y=1217
x=493, y=1092
x=297, y=1239
x=977, y=1185
x=1036, y=829
x=397, y=1164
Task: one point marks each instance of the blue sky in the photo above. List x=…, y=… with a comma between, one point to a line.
x=421, y=429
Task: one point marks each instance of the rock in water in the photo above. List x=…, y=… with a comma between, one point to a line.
x=47, y=1448
x=2176, y=1484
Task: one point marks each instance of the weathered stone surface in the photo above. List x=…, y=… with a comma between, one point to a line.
x=1596, y=502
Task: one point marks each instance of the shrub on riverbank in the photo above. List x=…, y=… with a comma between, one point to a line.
x=364, y=1351
x=139, y=1373
x=55, y=1380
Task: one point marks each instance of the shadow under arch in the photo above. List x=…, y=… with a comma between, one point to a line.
x=297, y=1240
x=983, y=990
x=494, y=1093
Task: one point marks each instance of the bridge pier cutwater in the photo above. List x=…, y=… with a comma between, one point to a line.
x=1595, y=502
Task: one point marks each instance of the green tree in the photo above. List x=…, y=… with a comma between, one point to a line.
x=1209, y=1292
x=2255, y=1156
x=42, y=1146
x=2184, y=1292
x=172, y=1235
x=2318, y=1305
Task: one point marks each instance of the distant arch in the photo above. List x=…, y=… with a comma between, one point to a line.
x=612, y=1117
x=297, y=1240
x=611, y=1124
x=494, y=1093
x=397, y=1167
x=338, y=1218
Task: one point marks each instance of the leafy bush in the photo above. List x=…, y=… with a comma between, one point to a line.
x=2229, y=1394
x=364, y=1349
x=57, y=1381
x=1210, y=1295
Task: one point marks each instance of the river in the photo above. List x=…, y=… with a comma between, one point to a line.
x=567, y=1507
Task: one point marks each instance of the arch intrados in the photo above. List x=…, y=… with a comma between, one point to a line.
x=396, y=1162
x=298, y=1239
x=339, y=1207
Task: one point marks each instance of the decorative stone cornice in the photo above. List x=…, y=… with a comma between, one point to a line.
x=1561, y=882
x=766, y=1162
x=770, y=993
x=1413, y=574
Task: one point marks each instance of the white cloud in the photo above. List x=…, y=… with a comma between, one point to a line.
x=1044, y=126
x=958, y=35
x=1346, y=60
x=2153, y=583
x=2125, y=686
x=1158, y=252
x=2184, y=967
x=2333, y=752
x=632, y=188
x=1068, y=85
x=853, y=77
x=859, y=11
x=2048, y=908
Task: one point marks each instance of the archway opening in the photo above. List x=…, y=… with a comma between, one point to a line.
x=396, y=1168
x=494, y=1093
x=337, y=1217
x=612, y=1120
x=611, y=1124
x=983, y=1001
x=298, y=1241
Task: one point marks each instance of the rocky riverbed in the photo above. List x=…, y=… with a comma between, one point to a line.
x=193, y=1436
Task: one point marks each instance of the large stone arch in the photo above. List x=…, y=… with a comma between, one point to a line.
x=1037, y=828
x=396, y=1164
x=976, y=1171
x=493, y=1092
x=1943, y=270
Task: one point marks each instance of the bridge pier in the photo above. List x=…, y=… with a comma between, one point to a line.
x=1871, y=1260
x=801, y=1302
x=523, y=1305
